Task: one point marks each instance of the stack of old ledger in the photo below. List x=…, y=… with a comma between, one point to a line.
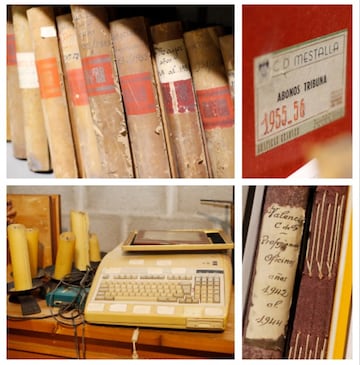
x=106, y=94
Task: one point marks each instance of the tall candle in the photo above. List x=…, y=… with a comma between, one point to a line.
x=94, y=248
x=19, y=255
x=65, y=255
x=32, y=236
x=79, y=222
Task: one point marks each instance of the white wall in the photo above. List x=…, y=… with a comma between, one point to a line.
x=116, y=210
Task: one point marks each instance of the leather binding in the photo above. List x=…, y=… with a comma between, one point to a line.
x=313, y=308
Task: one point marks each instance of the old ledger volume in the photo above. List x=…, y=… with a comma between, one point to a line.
x=37, y=148
x=214, y=98
x=94, y=39
x=14, y=115
x=137, y=82
x=87, y=152
x=275, y=265
x=179, y=99
x=52, y=91
x=314, y=304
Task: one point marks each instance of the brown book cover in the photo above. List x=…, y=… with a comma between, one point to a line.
x=314, y=304
x=14, y=116
x=177, y=92
x=37, y=148
x=227, y=51
x=275, y=266
x=137, y=82
x=105, y=100
x=52, y=91
x=214, y=98
x=87, y=151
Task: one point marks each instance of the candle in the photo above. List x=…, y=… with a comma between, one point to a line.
x=79, y=222
x=32, y=236
x=19, y=255
x=65, y=255
x=94, y=248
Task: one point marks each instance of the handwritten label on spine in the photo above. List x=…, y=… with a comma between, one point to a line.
x=279, y=245
x=172, y=61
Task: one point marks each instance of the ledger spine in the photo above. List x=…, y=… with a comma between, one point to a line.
x=179, y=100
x=37, y=148
x=137, y=81
x=87, y=151
x=275, y=266
x=53, y=97
x=214, y=98
x=314, y=305
x=105, y=100
x=15, y=114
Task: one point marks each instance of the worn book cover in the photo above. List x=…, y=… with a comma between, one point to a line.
x=214, y=98
x=84, y=133
x=15, y=115
x=177, y=92
x=313, y=306
x=274, y=270
x=37, y=147
x=137, y=82
x=102, y=84
x=52, y=91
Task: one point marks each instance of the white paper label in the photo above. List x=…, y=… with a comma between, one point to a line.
x=276, y=262
x=172, y=61
x=28, y=78
x=299, y=89
x=48, y=32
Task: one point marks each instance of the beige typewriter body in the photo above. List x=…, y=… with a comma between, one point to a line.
x=183, y=290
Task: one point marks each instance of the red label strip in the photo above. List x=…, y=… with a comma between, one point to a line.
x=216, y=107
x=179, y=94
x=98, y=72
x=10, y=50
x=49, y=78
x=138, y=94
x=77, y=87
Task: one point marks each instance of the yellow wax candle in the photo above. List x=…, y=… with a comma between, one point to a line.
x=65, y=255
x=79, y=222
x=32, y=236
x=19, y=255
x=94, y=248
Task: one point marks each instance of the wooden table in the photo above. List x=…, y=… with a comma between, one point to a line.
x=47, y=338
